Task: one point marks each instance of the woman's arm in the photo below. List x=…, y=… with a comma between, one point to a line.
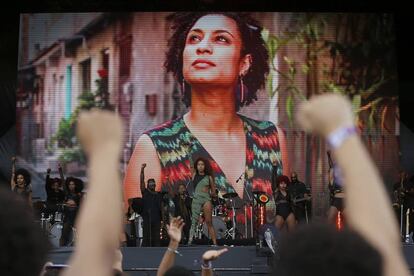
x=13, y=175
x=144, y=152
x=98, y=225
x=174, y=230
x=62, y=176
x=47, y=181
x=208, y=257
x=29, y=199
x=325, y=114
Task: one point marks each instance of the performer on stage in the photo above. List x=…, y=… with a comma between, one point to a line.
x=73, y=199
x=221, y=61
x=404, y=190
x=182, y=203
x=54, y=192
x=204, y=189
x=20, y=182
x=151, y=211
x=299, y=191
x=284, y=210
x=337, y=196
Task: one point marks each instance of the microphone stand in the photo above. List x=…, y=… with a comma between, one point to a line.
x=249, y=204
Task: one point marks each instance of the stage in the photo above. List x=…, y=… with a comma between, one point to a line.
x=239, y=260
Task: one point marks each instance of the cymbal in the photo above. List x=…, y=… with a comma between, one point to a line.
x=230, y=195
x=258, y=192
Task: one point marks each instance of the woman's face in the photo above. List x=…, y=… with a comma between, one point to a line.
x=212, y=52
x=55, y=186
x=200, y=166
x=20, y=181
x=283, y=185
x=72, y=186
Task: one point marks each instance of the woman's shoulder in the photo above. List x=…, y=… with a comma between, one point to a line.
x=167, y=129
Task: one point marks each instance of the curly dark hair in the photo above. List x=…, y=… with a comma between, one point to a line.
x=282, y=178
x=252, y=43
x=26, y=176
x=23, y=245
x=319, y=249
x=78, y=183
x=207, y=166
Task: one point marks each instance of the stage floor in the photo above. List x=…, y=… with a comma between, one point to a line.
x=239, y=260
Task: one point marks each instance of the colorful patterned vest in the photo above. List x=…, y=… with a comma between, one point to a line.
x=178, y=148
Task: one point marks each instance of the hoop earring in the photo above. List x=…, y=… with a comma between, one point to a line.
x=182, y=88
x=241, y=90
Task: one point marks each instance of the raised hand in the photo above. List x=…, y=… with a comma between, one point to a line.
x=211, y=255
x=143, y=165
x=323, y=114
x=175, y=228
x=48, y=170
x=99, y=131
x=13, y=159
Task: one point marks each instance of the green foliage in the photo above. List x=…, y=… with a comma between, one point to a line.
x=362, y=65
x=66, y=134
x=74, y=154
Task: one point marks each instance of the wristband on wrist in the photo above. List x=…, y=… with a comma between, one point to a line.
x=174, y=251
x=339, y=135
x=207, y=265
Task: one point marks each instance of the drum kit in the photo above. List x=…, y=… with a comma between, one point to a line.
x=223, y=219
x=53, y=227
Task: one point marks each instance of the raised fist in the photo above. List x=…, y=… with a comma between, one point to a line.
x=143, y=165
x=48, y=170
x=99, y=131
x=325, y=113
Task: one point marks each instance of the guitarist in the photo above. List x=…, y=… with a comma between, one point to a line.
x=300, y=198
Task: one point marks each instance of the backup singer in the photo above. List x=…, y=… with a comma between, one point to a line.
x=284, y=211
x=54, y=192
x=73, y=199
x=20, y=183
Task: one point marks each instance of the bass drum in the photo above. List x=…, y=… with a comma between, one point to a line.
x=56, y=232
x=219, y=226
